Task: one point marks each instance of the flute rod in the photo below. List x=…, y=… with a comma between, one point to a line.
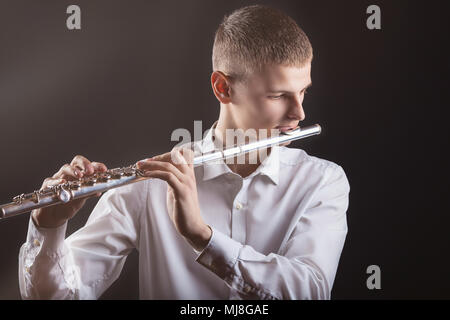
x=113, y=178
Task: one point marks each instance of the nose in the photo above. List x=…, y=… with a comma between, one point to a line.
x=296, y=109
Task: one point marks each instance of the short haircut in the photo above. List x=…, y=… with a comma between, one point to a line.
x=257, y=35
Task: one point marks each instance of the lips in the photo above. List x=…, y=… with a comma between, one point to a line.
x=284, y=128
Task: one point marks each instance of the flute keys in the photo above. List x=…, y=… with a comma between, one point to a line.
x=128, y=171
x=103, y=177
x=74, y=185
x=35, y=197
x=64, y=195
x=116, y=174
x=90, y=181
x=18, y=199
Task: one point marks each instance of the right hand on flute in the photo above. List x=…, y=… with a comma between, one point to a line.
x=56, y=215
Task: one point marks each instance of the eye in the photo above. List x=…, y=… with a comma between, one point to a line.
x=276, y=97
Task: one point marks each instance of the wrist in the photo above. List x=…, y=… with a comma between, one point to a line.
x=44, y=221
x=200, y=239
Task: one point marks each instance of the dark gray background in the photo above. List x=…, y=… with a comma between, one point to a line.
x=115, y=90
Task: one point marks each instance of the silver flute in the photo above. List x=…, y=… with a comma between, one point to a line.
x=113, y=178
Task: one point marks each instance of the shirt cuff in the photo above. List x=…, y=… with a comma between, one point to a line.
x=220, y=254
x=50, y=240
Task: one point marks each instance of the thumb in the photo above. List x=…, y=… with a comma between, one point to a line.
x=170, y=199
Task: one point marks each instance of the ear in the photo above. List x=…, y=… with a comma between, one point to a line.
x=221, y=86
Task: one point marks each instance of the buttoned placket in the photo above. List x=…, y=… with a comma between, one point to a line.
x=238, y=211
x=239, y=219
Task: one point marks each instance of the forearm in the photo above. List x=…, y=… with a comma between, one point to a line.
x=199, y=240
x=257, y=276
x=84, y=265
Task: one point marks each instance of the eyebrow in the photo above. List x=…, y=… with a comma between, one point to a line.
x=284, y=91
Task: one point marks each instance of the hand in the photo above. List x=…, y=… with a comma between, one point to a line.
x=54, y=216
x=176, y=168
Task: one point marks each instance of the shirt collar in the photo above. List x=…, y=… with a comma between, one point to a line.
x=270, y=167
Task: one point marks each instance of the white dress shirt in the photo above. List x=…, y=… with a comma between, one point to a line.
x=277, y=234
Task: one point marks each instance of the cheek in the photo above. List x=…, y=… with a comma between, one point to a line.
x=264, y=111
x=273, y=110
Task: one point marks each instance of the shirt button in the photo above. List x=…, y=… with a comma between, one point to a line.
x=27, y=270
x=36, y=242
x=238, y=206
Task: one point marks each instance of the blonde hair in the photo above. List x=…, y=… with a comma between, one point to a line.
x=256, y=35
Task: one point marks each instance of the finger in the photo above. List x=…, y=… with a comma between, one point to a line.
x=70, y=173
x=48, y=182
x=170, y=178
x=188, y=155
x=99, y=167
x=162, y=157
x=67, y=171
x=83, y=164
x=183, y=159
x=151, y=165
x=173, y=156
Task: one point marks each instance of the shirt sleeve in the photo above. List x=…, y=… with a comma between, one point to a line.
x=305, y=266
x=85, y=264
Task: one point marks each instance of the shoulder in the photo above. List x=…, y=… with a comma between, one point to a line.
x=317, y=171
x=305, y=165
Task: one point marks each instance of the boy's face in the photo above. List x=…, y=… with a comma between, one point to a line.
x=272, y=98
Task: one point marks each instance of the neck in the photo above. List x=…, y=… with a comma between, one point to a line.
x=247, y=168
x=243, y=165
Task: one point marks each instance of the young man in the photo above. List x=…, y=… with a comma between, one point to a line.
x=274, y=229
